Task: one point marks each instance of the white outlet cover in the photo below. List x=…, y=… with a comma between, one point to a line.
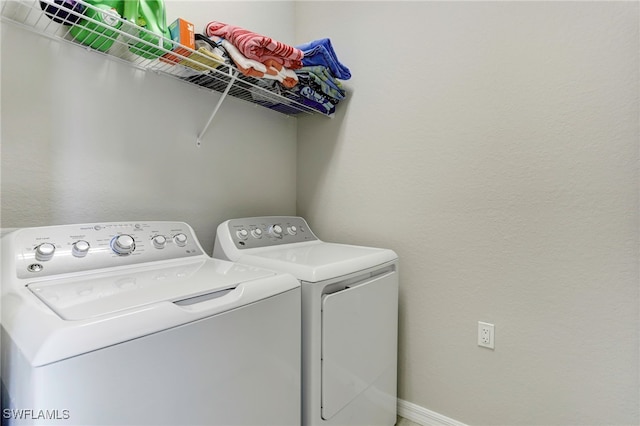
x=486, y=335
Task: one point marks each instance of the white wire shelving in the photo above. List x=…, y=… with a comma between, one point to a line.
x=119, y=39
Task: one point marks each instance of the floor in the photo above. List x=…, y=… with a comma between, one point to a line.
x=404, y=422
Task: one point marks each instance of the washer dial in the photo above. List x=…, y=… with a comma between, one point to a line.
x=80, y=248
x=45, y=251
x=180, y=240
x=159, y=241
x=123, y=244
x=276, y=231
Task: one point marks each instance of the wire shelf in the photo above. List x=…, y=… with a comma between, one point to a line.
x=118, y=39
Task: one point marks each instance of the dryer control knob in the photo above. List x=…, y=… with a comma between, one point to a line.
x=243, y=234
x=159, y=241
x=276, y=231
x=80, y=248
x=257, y=233
x=123, y=244
x=292, y=230
x=180, y=240
x=45, y=251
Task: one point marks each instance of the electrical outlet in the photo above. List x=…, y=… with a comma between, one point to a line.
x=486, y=335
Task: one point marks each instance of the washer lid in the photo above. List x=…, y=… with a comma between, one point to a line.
x=318, y=261
x=93, y=295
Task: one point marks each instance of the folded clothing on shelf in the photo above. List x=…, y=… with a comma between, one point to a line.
x=316, y=100
x=256, y=46
x=270, y=69
x=271, y=83
x=320, y=52
x=319, y=86
x=322, y=77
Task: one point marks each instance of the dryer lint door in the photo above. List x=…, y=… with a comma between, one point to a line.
x=359, y=340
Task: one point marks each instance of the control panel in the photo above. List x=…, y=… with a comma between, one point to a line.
x=269, y=231
x=64, y=249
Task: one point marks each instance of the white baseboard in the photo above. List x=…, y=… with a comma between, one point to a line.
x=424, y=417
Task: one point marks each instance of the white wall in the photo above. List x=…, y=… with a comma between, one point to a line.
x=494, y=146
x=86, y=139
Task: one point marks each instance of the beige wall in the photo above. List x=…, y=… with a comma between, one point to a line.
x=494, y=146
x=85, y=139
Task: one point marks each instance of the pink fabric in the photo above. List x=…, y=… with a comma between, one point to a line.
x=255, y=46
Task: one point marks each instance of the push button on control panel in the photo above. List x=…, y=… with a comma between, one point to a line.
x=35, y=267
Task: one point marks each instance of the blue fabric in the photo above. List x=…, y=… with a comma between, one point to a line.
x=320, y=52
x=306, y=96
x=321, y=76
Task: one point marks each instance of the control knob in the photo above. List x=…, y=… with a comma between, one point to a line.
x=159, y=241
x=257, y=233
x=292, y=230
x=123, y=244
x=45, y=251
x=180, y=240
x=276, y=231
x=80, y=248
x=242, y=234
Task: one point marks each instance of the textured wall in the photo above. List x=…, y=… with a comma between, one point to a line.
x=85, y=139
x=494, y=146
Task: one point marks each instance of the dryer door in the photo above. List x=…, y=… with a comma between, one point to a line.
x=359, y=342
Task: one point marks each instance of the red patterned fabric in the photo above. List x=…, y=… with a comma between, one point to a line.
x=255, y=46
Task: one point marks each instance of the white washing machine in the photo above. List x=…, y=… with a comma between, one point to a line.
x=133, y=324
x=349, y=316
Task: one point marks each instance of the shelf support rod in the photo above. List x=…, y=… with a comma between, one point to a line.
x=234, y=75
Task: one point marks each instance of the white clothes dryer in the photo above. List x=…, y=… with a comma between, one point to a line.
x=133, y=324
x=349, y=316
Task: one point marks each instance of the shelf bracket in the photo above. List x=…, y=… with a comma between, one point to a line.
x=234, y=75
